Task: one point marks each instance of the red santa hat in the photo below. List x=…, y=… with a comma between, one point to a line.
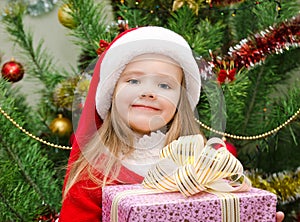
x=145, y=40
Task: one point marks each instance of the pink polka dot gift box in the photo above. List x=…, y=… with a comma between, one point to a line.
x=134, y=203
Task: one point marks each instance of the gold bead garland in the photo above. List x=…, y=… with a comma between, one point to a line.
x=260, y=136
x=31, y=135
x=263, y=135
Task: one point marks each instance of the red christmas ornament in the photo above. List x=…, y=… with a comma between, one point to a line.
x=230, y=147
x=12, y=71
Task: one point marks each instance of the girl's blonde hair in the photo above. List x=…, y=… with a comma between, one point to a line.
x=99, y=160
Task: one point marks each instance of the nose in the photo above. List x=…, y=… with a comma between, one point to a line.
x=148, y=95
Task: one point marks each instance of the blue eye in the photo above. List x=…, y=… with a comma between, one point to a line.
x=164, y=86
x=133, y=81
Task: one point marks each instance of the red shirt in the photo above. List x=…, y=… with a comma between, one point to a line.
x=85, y=205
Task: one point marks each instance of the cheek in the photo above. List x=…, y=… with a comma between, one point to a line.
x=170, y=106
x=124, y=97
x=171, y=99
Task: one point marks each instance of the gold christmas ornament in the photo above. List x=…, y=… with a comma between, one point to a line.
x=61, y=126
x=65, y=16
x=193, y=4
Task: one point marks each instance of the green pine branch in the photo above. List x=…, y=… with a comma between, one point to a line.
x=196, y=31
x=7, y=205
x=183, y=22
x=90, y=26
x=136, y=17
x=28, y=179
x=235, y=94
x=265, y=80
x=269, y=13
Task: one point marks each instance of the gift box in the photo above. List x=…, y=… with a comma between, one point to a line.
x=254, y=205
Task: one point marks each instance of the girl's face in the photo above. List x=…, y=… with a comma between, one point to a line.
x=148, y=91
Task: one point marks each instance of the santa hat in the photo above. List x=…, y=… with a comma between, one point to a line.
x=145, y=40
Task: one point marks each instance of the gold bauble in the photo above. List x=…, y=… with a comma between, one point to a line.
x=65, y=16
x=193, y=4
x=61, y=126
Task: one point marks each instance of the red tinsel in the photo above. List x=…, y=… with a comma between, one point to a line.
x=255, y=49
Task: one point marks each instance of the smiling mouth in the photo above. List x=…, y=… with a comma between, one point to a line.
x=144, y=107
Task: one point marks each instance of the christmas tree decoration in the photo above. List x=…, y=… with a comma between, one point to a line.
x=63, y=95
x=47, y=214
x=255, y=49
x=39, y=7
x=102, y=46
x=229, y=146
x=274, y=40
x=81, y=90
x=226, y=75
x=12, y=71
x=286, y=184
x=118, y=26
x=194, y=5
x=61, y=126
x=122, y=24
x=65, y=16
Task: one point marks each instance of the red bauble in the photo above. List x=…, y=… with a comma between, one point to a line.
x=230, y=147
x=12, y=71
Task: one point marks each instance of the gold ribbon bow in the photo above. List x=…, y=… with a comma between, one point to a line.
x=189, y=166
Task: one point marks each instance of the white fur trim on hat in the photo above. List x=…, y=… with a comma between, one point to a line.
x=141, y=41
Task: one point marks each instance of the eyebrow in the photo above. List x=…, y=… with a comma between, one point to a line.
x=133, y=72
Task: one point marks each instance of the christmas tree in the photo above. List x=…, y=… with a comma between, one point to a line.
x=250, y=95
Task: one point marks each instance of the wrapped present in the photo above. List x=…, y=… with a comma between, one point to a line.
x=211, y=185
x=254, y=205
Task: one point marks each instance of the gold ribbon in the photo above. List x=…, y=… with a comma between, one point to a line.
x=189, y=166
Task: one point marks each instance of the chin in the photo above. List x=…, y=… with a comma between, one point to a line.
x=143, y=130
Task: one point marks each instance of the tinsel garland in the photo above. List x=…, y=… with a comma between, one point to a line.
x=286, y=184
x=255, y=49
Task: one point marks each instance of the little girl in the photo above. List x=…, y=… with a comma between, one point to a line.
x=144, y=90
